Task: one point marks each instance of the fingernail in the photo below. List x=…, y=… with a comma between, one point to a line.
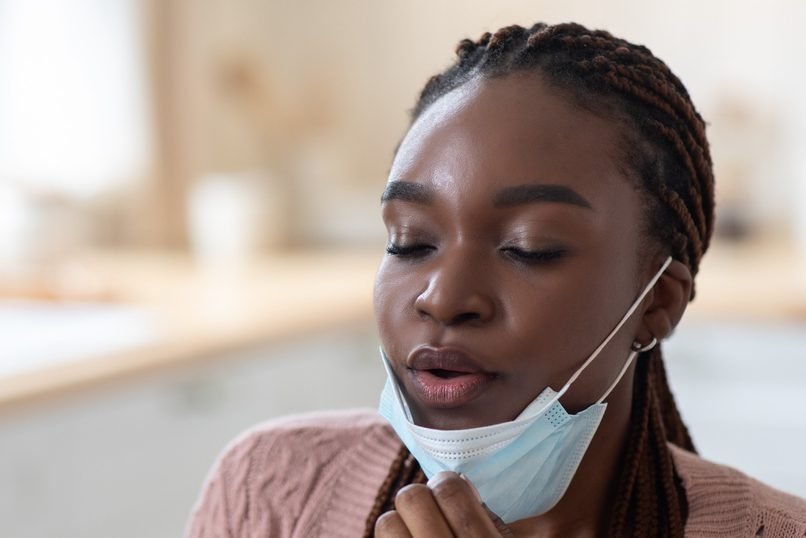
x=472, y=487
x=439, y=477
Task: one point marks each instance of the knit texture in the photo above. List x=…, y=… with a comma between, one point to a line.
x=318, y=475
x=724, y=502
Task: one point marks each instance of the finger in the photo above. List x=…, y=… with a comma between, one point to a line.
x=500, y=526
x=390, y=525
x=459, y=503
x=416, y=505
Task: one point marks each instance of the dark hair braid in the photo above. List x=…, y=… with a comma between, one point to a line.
x=666, y=153
x=404, y=471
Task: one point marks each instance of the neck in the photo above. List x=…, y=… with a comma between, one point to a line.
x=588, y=501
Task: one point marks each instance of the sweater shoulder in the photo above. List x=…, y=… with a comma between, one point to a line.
x=721, y=499
x=313, y=432
x=277, y=477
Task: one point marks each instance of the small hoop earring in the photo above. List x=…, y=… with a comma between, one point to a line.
x=636, y=346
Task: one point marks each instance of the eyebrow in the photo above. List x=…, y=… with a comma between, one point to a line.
x=419, y=193
x=530, y=194
x=407, y=191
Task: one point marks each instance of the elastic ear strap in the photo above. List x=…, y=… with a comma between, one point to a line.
x=629, y=313
x=393, y=380
x=623, y=371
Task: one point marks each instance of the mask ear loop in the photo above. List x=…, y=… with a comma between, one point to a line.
x=636, y=349
x=393, y=380
x=627, y=316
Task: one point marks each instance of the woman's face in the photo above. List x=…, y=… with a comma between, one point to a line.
x=513, y=251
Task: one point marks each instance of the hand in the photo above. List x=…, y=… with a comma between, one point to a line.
x=448, y=506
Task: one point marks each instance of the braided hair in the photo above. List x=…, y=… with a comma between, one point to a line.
x=666, y=155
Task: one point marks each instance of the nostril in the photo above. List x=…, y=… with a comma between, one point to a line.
x=423, y=313
x=448, y=305
x=465, y=317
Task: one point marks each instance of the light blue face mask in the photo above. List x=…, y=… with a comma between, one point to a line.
x=520, y=468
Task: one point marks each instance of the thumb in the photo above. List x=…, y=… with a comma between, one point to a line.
x=500, y=526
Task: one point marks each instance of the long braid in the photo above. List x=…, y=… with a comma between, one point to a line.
x=669, y=154
x=386, y=490
x=403, y=471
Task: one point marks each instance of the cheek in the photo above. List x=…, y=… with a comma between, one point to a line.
x=393, y=297
x=545, y=320
x=558, y=321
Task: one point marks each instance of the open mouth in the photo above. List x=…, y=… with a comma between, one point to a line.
x=438, y=387
x=446, y=377
x=445, y=374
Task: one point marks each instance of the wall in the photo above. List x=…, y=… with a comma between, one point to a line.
x=315, y=93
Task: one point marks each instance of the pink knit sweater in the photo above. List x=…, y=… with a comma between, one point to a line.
x=318, y=476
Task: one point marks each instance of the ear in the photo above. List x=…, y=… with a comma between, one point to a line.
x=666, y=303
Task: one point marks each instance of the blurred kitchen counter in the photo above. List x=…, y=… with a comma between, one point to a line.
x=206, y=311
x=203, y=311
x=751, y=281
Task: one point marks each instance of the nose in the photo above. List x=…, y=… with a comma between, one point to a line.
x=458, y=292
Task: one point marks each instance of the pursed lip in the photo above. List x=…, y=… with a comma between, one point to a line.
x=446, y=377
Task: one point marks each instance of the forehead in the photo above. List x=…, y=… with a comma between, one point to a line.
x=493, y=133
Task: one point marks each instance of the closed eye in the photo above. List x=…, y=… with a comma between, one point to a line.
x=534, y=256
x=408, y=251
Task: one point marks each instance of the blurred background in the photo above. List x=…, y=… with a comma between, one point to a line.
x=189, y=229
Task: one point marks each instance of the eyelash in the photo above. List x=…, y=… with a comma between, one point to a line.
x=535, y=257
x=410, y=251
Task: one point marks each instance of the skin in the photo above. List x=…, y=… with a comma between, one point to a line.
x=465, y=282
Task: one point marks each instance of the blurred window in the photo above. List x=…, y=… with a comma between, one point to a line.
x=73, y=99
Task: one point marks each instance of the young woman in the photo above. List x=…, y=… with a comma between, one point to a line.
x=547, y=212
